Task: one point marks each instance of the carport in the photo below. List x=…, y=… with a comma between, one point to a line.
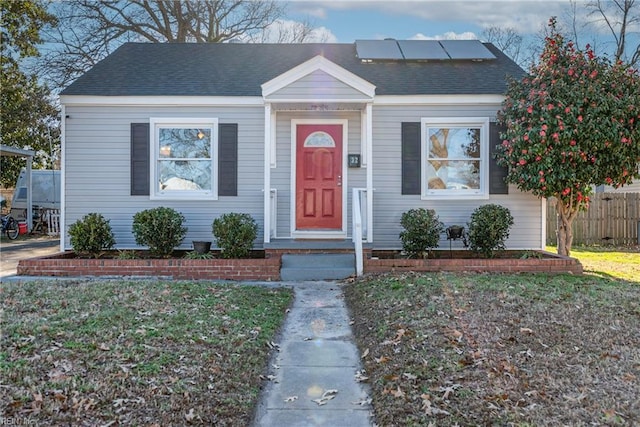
x=6, y=150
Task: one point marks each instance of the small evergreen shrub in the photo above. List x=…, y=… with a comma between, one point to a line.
x=235, y=234
x=127, y=254
x=197, y=255
x=421, y=233
x=489, y=228
x=161, y=229
x=91, y=235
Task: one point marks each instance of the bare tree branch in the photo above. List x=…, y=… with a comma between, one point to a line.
x=618, y=17
x=506, y=39
x=91, y=29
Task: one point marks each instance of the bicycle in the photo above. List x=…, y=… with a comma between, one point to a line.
x=10, y=227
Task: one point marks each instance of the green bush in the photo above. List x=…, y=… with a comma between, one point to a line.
x=128, y=254
x=489, y=228
x=196, y=255
x=421, y=233
x=161, y=229
x=235, y=234
x=91, y=235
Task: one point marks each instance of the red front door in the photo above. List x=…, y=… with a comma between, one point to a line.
x=319, y=177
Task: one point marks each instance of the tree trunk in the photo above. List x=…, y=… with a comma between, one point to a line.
x=564, y=230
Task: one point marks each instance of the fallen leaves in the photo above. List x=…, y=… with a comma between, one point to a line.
x=273, y=346
x=36, y=404
x=382, y=359
x=190, y=416
x=360, y=376
x=429, y=409
x=400, y=333
x=448, y=390
x=397, y=392
x=454, y=334
x=409, y=376
x=327, y=396
x=505, y=349
x=291, y=399
x=137, y=353
x=363, y=402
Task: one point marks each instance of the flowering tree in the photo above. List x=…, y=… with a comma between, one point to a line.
x=572, y=124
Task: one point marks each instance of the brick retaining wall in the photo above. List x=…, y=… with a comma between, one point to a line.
x=268, y=268
x=175, y=268
x=550, y=263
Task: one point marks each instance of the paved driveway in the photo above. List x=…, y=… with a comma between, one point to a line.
x=12, y=251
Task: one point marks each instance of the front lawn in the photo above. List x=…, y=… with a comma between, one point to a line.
x=135, y=353
x=616, y=262
x=499, y=349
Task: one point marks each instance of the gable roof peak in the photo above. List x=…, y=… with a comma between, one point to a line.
x=318, y=63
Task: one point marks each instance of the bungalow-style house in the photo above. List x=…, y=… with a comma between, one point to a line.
x=286, y=133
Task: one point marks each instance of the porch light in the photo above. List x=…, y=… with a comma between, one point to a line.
x=200, y=134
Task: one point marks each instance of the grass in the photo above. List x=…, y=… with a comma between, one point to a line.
x=507, y=349
x=135, y=353
x=604, y=261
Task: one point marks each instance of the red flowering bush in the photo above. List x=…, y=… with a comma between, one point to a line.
x=572, y=124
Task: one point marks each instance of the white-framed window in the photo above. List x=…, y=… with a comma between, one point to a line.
x=184, y=153
x=455, y=158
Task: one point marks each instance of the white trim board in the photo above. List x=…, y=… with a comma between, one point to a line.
x=183, y=101
x=323, y=64
x=438, y=100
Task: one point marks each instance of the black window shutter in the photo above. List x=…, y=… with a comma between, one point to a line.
x=411, y=158
x=140, y=159
x=228, y=159
x=497, y=174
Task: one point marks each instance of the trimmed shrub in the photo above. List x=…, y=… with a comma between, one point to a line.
x=161, y=229
x=235, y=234
x=91, y=235
x=421, y=233
x=489, y=228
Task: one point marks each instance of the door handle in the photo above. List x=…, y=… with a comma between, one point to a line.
x=339, y=181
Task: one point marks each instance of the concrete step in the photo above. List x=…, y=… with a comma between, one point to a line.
x=299, y=267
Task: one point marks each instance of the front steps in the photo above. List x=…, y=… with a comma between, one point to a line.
x=317, y=266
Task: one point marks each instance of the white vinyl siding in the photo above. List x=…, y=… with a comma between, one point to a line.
x=97, y=159
x=389, y=204
x=317, y=85
x=97, y=168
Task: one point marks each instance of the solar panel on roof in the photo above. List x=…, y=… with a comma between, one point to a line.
x=466, y=49
x=378, y=49
x=422, y=49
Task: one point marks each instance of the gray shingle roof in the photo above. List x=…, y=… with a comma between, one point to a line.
x=231, y=69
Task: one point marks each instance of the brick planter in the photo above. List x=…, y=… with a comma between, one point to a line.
x=66, y=264
x=268, y=268
x=547, y=263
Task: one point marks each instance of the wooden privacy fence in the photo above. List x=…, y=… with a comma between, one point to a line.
x=612, y=218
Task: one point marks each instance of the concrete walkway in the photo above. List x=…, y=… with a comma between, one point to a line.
x=12, y=251
x=313, y=379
